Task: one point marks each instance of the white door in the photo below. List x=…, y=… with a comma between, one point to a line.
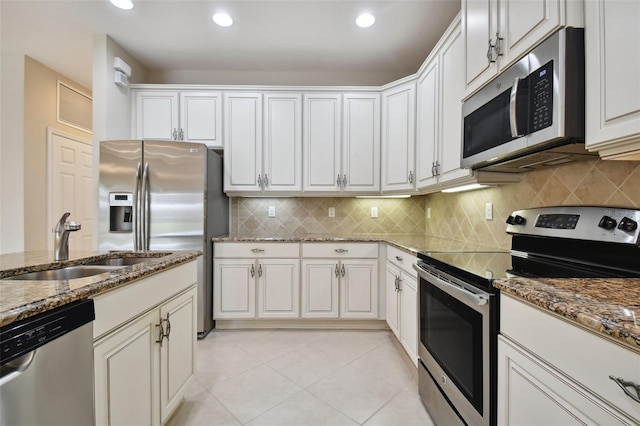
x=409, y=316
x=234, y=288
x=427, y=127
x=359, y=288
x=201, y=118
x=71, y=186
x=392, y=298
x=278, y=288
x=320, y=288
x=479, y=26
x=157, y=115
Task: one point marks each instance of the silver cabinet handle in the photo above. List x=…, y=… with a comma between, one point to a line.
x=497, y=47
x=257, y=250
x=396, y=283
x=181, y=134
x=410, y=176
x=260, y=181
x=253, y=271
x=338, y=182
x=266, y=180
x=341, y=250
x=259, y=270
x=433, y=169
x=343, y=271
x=437, y=167
x=337, y=271
x=490, y=52
x=160, y=333
x=344, y=181
x=625, y=385
x=175, y=134
x=399, y=259
x=167, y=329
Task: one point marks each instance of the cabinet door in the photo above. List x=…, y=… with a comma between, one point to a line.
x=392, y=299
x=427, y=126
x=201, y=118
x=322, y=125
x=451, y=93
x=612, y=75
x=532, y=392
x=278, y=288
x=523, y=24
x=234, y=288
x=320, y=279
x=282, y=156
x=361, y=142
x=398, y=138
x=243, y=142
x=177, y=352
x=409, y=316
x=126, y=374
x=479, y=26
x=157, y=115
x=359, y=289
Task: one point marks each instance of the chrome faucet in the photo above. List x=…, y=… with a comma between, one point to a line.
x=61, y=242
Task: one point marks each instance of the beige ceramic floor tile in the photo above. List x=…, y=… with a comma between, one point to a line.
x=307, y=364
x=302, y=409
x=387, y=364
x=201, y=408
x=405, y=409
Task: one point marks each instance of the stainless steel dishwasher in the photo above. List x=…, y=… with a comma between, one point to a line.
x=46, y=368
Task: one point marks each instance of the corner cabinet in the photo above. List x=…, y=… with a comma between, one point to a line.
x=612, y=49
x=497, y=33
x=398, y=138
x=341, y=143
x=544, y=380
x=190, y=116
x=144, y=347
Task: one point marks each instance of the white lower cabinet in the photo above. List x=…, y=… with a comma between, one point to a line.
x=401, y=290
x=320, y=286
x=143, y=364
x=278, y=288
x=359, y=288
x=552, y=372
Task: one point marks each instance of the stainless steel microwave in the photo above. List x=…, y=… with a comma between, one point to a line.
x=532, y=114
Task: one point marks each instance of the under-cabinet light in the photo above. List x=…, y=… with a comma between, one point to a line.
x=462, y=188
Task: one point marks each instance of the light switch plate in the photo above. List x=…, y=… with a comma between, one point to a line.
x=332, y=212
x=272, y=211
x=488, y=211
x=374, y=211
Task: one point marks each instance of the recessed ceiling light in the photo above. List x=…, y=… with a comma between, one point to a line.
x=122, y=4
x=222, y=19
x=365, y=20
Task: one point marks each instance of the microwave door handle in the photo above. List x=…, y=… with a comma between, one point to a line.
x=513, y=113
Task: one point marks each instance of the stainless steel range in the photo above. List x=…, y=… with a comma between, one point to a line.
x=459, y=306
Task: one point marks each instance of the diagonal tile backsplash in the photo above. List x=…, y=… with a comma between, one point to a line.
x=458, y=216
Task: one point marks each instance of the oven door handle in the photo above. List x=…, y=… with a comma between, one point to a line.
x=458, y=292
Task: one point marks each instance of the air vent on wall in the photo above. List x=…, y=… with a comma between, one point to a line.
x=75, y=108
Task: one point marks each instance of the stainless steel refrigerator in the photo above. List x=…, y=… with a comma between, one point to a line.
x=166, y=196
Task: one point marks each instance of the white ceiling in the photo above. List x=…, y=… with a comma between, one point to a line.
x=267, y=36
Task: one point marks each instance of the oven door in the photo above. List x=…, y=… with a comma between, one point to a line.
x=454, y=347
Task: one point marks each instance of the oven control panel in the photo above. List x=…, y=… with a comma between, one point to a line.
x=607, y=224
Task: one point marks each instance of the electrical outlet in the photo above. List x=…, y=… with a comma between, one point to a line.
x=272, y=211
x=488, y=211
x=428, y=212
x=374, y=211
x=332, y=212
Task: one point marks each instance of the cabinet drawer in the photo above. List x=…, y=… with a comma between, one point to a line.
x=340, y=250
x=586, y=357
x=256, y=250
x=402, y=259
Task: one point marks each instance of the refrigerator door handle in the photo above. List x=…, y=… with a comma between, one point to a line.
x=145, y=207
x=137, y=210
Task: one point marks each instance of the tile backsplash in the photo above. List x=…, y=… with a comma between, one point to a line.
x=458, y=216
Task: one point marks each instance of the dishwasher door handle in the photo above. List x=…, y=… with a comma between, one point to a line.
x=15, y=367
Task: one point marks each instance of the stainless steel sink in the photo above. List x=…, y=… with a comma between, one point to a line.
x=121, y=261
x=68, y=273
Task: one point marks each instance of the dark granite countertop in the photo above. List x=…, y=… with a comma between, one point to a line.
x=608, y=306
x=23, y=298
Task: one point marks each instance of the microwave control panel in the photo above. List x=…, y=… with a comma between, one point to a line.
x=541, y=97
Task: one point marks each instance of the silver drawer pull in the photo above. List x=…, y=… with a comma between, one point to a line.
x=398, y=258
x=257, y=250
x=626, y=385
x=341, y=250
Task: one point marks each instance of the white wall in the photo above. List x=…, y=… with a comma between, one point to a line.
x=11, y=153
x=111, y=103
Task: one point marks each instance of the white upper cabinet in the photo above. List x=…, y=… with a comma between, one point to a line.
x=612, y=48
x=243, y=142
x=341, y=143
x=322, y=142
x=398, y=138
x=498, y=32
x=190, y=116
x=361, y=142
x=282, y=154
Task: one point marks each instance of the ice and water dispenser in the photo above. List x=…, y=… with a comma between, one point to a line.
x=120, y=212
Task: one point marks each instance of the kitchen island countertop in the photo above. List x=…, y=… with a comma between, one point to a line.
x=23, y=298
x=607, y=306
